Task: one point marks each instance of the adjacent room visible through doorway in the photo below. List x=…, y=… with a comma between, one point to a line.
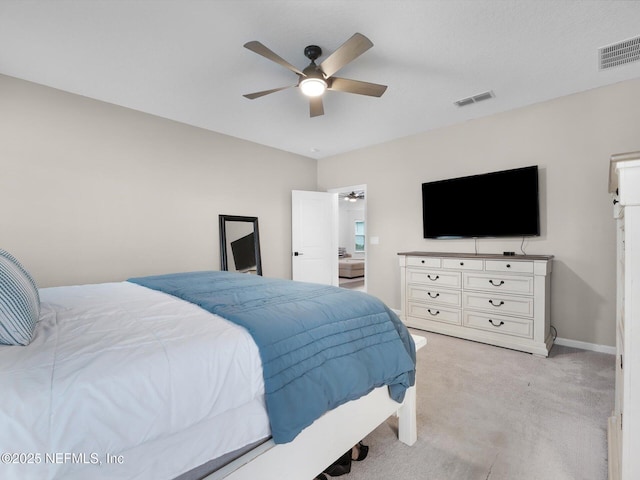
x=352, y=228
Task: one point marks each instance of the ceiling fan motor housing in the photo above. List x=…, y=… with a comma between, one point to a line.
x=312, y=71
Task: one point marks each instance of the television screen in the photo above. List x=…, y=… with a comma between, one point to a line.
x=244, y=252
x=497, y=204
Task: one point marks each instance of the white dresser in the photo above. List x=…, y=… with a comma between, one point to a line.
x=624, y=424
x=495, y=299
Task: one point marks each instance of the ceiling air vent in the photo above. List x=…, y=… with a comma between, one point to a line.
x=619, y=53
x=474, y=99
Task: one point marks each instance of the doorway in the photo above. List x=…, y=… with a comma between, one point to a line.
x=352, y=237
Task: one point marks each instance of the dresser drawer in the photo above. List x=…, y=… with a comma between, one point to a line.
x=423, y=262
x=500, y=304
x=463, y=263
x=518, y=327
x=440, y=297
x=435, y=313
x=508, y=266
x=498, y=283
x=434, y=278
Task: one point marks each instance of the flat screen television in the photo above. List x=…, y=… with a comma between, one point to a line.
x=496, y=204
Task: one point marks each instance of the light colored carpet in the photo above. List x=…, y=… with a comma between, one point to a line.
x=488, y=413
x=352, y=283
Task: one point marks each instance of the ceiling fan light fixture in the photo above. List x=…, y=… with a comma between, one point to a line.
x=313, y=87
x=353, y=197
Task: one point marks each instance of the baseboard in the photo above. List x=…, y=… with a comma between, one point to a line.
x=594, y=347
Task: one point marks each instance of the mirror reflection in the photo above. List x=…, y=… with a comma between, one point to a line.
x=240, y=244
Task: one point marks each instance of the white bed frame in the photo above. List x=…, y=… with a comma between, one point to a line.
x=324, y=441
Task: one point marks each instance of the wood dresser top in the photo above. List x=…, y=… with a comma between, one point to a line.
x=476, y=255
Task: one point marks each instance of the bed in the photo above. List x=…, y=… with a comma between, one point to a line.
x=125, y=380
x=350, y=268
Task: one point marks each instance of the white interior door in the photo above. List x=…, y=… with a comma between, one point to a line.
x=314, y=237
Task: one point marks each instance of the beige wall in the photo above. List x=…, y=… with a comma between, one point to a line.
x=92, y=192
x=570, y=138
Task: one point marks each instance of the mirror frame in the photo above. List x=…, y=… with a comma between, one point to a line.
x=222, y=220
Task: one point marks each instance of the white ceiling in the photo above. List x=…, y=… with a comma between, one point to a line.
x=184, y=60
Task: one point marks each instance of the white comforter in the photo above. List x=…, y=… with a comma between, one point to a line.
x=125, y=382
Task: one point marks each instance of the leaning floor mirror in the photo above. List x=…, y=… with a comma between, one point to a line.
x=240, y=244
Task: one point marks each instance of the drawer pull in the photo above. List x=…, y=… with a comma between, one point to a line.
x=508, y=265
x=496, y=304
x=498, y=325
x=421, y=261
x=434, y=279
x=433, y=296
x=434, y=314
x=496, y=284
x=461, y=264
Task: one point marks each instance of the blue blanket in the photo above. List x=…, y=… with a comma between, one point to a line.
x=321, y=346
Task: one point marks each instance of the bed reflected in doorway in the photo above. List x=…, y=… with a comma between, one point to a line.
x=351, y=273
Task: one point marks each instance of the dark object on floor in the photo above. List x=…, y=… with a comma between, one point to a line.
x=342, y=466
x=361, y=451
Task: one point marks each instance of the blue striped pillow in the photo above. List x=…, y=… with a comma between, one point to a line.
x=19, y=302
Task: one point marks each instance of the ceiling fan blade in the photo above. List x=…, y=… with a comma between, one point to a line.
x=260, y=49
x=348, y=51
x=254, y=95
x=356, y=86
x=315, y=107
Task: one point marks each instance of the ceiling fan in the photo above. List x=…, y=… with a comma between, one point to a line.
x=353, y=196
x=314, y=80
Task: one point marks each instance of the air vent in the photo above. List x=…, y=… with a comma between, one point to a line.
x=474, y=99
x=619, y=53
